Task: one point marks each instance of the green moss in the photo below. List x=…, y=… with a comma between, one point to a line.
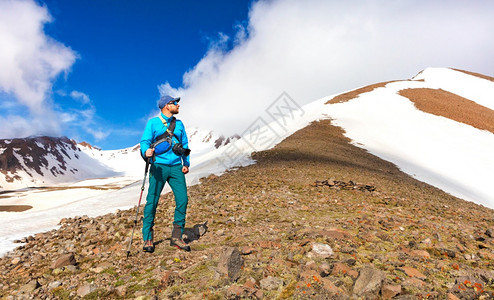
x=110, y=271
x=288, y=290
x=97, y=294
x=132, y=288
x=90, y=279
x=119, y=282
x=201, y=247
x=61, y=293
x=179, y=291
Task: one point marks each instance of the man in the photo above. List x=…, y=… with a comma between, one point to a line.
x=165, y=167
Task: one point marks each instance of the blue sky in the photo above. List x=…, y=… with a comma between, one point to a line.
x=93, y=70
x=126, y=49
x=122, y=51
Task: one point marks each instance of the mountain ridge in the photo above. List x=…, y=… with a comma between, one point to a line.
x=410, y=238
x=44, y=160
x=312, y=218
x=28, y=162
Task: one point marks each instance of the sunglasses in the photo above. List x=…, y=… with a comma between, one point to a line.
x=174, y=102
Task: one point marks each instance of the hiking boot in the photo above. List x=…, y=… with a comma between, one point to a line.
x=180, y=244
x=148, y=246
x=176, y=239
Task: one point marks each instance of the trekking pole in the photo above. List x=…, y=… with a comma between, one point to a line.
x=138, y=205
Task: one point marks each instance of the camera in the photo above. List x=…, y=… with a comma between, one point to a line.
x=179, y=150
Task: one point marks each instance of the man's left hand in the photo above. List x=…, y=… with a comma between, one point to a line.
x=185, y=169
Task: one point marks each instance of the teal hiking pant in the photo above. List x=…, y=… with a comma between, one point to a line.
x=158, y=175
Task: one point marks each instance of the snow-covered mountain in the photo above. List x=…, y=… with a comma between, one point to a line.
x=44, y=161
x=39, y=161
x=438, y=127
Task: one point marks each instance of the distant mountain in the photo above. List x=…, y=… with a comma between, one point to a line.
x=38, y=161
x=44, y=160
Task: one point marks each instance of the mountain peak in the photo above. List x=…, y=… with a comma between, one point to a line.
x=41, y=160
x=86, y=144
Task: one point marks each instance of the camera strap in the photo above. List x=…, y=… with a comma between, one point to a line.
x=169, y=128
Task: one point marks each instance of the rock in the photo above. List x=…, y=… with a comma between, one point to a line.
x=486, y=255
x=15, y=260
x=246, y=250
x=329, y=286
x=54, y=284
x=369, y=282
x=243, y=292
x=97, y=269
x=412, y=272
x=63, y=261
x=234, y=291
x=452, y=297
x=309, y=275
x=85, y=290
x=230, y=263
x=324, y=269
x=420, y=253
x=121, y=290
x=71, y=268
x=321, y=250
x=57, y=271
x=413, y=282
x=486, y=275
x=30, y=286
x=269, y=245
x=170, y=278
x=271, y=283
x=250, y=283
x=332, y=233
x=340, y=268
x=447, y=252
x=388, y=291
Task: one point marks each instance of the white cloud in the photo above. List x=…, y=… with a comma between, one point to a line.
x=98, y=134
x=14, y=126
x=66, y=117
x=316, y=48
x=29, y=61
x=80, y=96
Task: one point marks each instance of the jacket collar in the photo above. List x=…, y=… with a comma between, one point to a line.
x=165, y=117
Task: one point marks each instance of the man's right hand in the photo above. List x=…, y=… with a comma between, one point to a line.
x=149, y=152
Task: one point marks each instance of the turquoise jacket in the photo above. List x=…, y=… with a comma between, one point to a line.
x=155, y=128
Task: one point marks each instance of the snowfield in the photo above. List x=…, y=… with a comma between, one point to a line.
x=452, y=156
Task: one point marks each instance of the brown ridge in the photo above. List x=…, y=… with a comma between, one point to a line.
x=451, y=106
x=355, y=93
x=15, y=208
x=476, y=74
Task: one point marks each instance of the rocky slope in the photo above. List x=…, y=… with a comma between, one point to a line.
x=312, y=219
